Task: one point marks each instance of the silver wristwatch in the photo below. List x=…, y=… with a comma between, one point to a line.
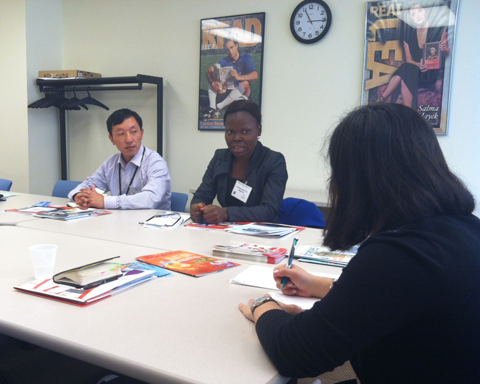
x=260, y=301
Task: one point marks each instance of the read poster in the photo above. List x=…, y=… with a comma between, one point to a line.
x=231, y=62
x=408, y=56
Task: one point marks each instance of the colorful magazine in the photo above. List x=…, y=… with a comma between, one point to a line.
x=58, y=212
x=324, y=255
x=71, y=213
x=159, y=272
x=188, y=263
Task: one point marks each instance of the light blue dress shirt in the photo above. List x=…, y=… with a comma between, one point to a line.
x=149, y=187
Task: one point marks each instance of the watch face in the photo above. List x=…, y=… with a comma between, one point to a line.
x=310, y=21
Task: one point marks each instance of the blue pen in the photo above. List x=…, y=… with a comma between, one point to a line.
x=290, y=260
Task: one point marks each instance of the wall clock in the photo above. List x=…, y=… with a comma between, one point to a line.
x=310, y=21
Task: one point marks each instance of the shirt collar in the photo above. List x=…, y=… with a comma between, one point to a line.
x=137, y=159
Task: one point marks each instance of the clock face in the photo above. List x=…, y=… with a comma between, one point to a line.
x=310, y=21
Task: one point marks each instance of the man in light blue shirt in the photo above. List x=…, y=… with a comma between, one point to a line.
x=137, y=177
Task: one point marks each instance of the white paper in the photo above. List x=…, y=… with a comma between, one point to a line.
x=256, y=276
x=302, y=302
x=262, y=277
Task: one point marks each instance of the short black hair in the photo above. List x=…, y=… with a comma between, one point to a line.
x=119, y=116
x=244, y=105
x=387, y=170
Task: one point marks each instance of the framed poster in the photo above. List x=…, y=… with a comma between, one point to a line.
x=231, y=64
x=409, y=54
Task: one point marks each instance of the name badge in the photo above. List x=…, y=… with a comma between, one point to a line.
x=241, y=191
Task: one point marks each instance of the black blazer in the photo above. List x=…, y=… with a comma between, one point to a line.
x=266, y=174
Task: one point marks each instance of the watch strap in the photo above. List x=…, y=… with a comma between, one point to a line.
x=260, y=301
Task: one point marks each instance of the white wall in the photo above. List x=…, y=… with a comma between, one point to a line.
x=44, y=51
x=461, y=146
x=305, y=88
x=13, y=95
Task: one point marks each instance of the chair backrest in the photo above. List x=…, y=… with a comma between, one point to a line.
x=63, y=187
x=5, y=185
x=300, y=212
x=179, y=201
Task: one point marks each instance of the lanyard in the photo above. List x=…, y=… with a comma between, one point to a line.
x=133, y=177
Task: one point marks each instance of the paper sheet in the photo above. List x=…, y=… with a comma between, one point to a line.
x=302, y=302
x=262, y=277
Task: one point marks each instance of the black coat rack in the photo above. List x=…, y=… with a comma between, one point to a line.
x=100, y=84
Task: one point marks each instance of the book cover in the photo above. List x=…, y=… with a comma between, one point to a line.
x=431, y=55
x=82, y=297
x=249, y=251
x=188, y=263
x=223, y=77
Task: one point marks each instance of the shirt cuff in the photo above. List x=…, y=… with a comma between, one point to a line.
x=110, y=202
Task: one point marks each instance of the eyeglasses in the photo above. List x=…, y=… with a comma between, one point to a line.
x=164, y=219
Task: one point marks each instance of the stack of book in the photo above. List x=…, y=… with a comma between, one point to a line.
x=323, y=255
x=253, y=252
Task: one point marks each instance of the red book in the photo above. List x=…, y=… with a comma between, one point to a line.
x=186, y=262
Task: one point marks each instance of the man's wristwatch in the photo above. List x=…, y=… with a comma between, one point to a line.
x=260, y=301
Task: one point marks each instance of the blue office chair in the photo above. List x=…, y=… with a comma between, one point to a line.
x=5, y=185
x=179, y=201
x=300, y=212
x=63, y=187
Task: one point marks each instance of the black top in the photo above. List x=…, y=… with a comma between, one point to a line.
x=405, y=310
x=266, y=174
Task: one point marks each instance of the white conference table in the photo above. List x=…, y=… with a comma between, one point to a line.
x=177, y=329
x=123, y=226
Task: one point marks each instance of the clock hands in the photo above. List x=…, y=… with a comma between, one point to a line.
x=309, y=20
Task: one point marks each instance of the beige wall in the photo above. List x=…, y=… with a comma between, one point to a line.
x=13, y=95
x=305, y=88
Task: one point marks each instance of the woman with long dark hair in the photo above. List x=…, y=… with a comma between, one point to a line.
x=406, y=309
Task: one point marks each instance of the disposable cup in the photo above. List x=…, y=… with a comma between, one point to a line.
x=43, y=259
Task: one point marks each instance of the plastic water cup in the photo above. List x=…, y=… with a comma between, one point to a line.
x=43, y=259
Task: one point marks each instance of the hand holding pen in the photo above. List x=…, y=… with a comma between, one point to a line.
x=290, y=260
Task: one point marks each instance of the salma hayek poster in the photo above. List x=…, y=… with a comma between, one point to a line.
x=409, y=54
